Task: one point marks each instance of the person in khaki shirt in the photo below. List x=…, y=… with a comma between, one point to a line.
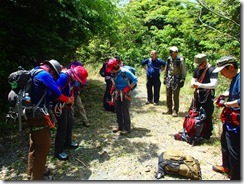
x=175, y=73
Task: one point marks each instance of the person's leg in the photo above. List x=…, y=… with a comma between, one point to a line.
x=126, y=115
x=157, y=85
x=61, y=131
x=81, y=110
x=176, y=94
x=169, y=100
x=119, y=115
x=70, y=122
x=149, y=90
x=209, y=109
x=107, y=95
x=39, y=148
x=233, y=144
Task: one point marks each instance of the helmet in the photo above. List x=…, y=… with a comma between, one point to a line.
x=80, y=73
x=112, y=64
x=56, y=65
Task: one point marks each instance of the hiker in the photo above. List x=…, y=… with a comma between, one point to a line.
x=153, y=67
x=40, y=131
x=230, y=117
x=120, y=93
x=64, y=112
x=175, y=74
x=107, y=77
x=77, y=98
x=204, y=81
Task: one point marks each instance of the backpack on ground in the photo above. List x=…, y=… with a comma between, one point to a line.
x=193, y=127
x=132, y=70
x=175, y=162
x=19, y=96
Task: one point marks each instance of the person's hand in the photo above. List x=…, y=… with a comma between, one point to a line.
x=220, y=101
x=126, y=89
x=70, y=100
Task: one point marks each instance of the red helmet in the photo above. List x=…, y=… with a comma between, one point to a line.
x=80, y=73
x=112, y=64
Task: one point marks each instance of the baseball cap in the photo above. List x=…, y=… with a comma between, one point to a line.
x=173, y=49
x=199, y=58
x=223, y=62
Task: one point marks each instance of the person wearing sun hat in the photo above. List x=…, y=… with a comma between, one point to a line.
x=204, y=81
x=64, y=112
x=79, y=107
x=174, y=79
x=230, y=117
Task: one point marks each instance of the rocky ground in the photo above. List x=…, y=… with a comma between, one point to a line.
x=103, y=155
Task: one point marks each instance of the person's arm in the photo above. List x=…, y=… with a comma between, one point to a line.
x=212, y=85
x=183, y=67
x=234, y=103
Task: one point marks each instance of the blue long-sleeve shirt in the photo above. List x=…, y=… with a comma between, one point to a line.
x=153, y=67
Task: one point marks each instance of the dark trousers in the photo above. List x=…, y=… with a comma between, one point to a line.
x=38, y=150
x=153, y=94
x=64, y=129
x=122, y=113
x=209, y=109
x=170, y=93
x=107, y=96
x=230, y=146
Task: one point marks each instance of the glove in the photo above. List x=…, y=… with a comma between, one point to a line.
x=220, y=101
x=182, y=82
x=112, y=90
x=126, y=89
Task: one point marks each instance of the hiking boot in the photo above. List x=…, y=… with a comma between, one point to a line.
x=175, y=113
x=125, y=132
x=220, y=169
x=73, y=145
x=62, y=156
x=156, y=103
x=167, y=112
x=148, y=102
x=116, y=129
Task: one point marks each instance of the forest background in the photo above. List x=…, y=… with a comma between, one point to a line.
x=94, y=30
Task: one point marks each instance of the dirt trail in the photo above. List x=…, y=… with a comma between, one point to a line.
x=151, y=134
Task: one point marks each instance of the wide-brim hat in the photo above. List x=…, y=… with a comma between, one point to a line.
x=80, y=73
x=223, y=62
x=200, y=58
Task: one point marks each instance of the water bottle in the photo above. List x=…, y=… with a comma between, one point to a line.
x=27, y=98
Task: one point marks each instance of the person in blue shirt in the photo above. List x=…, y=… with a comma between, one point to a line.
x=230, y=117
x=153, y=67
x=123, y=81
x=64, y=112
x=40, y=142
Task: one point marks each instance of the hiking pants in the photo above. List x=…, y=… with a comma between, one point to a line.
x=123, y=114
x=154, y=83
x=175, y=94
x=38, y=150
x=230, y=145
x=64, y=129
x=80, y=109
x=209, y=109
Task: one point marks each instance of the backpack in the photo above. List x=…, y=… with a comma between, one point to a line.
x=176, y=162
x=132, y=70
x=19, y=96
x=193, y=127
